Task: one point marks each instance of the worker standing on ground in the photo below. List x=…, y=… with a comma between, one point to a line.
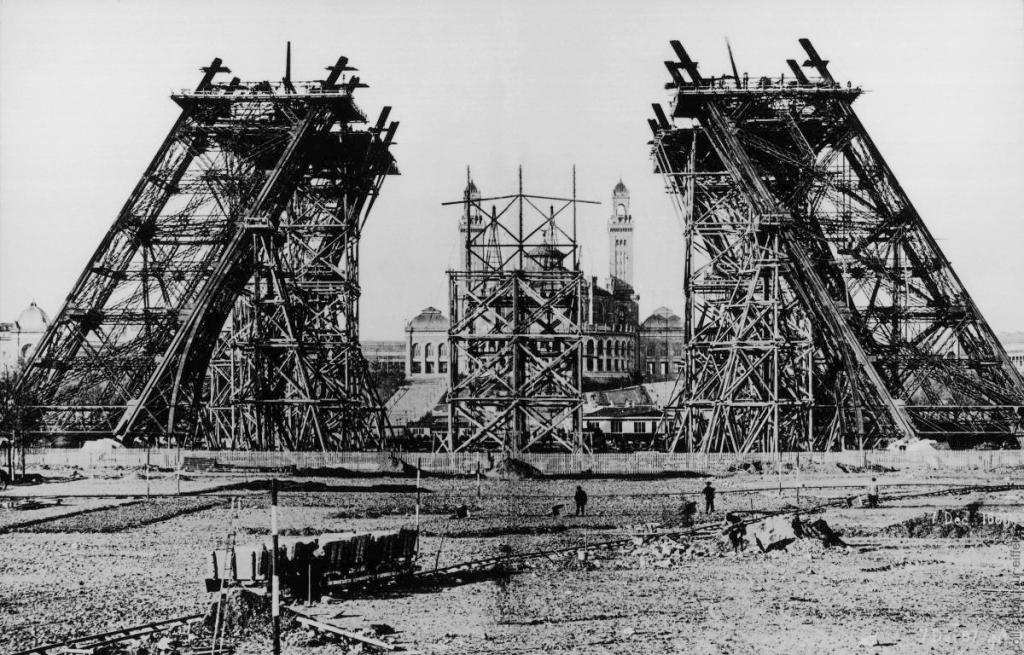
x=581, y=501
x=873, y=493
x=709, y=498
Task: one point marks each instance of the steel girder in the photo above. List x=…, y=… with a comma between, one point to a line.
x=820, y=312
x=254, y=201
x=515, y=340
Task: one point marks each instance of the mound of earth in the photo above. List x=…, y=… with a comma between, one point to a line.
x=243, y=613
x=965, y=523
x=395, y=466
x=123, y=517
x=757, y=466
x=515, y=469
x=327, y=472
x=870, y=468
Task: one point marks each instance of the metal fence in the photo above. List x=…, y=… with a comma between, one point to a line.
x=640, y=463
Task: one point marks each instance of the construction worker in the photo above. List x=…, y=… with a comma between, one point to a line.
x=872, y=494
x=581, y=501
x=709, y=498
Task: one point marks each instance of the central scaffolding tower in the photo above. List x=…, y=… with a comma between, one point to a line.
x=515, y=357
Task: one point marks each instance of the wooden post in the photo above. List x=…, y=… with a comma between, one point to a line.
x=780, y=472
x=418, y=462
x=479, y=495
x=798, y=479
x=21, y=440
x=275, y=580
x=148, y=447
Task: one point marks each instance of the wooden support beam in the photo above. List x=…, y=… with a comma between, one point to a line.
x=313, y=623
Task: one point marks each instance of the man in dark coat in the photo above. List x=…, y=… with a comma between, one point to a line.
x=581, y=501
x=709, y=498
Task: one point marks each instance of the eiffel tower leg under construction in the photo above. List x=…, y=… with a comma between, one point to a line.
x=820, y=312
x=221, y=309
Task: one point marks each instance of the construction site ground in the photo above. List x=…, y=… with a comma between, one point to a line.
x=98, y=562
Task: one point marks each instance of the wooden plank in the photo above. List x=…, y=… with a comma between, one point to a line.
x=345, y=633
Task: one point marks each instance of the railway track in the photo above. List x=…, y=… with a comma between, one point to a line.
x=86, y=645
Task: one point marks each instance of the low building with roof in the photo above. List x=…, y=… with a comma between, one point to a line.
x=623, y=420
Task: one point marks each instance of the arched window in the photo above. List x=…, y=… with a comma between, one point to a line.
x=600, y=348
x=428, y=350
x=442, y=350
x=415, y=351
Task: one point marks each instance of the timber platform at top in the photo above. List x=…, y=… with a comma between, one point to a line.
x=775, y=87
x=336, y=87
x=260, y=95
x=271, y=91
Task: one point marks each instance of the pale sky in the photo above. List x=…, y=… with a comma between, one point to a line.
x=84, y=106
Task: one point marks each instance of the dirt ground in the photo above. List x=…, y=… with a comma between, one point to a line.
x=113, y=562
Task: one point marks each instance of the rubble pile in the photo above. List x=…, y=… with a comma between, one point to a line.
x=965, y=523
x=772, y=536
x=515, y=469
x=870, y=468
x=184, y=639
x=243, y=612
x=667, y=552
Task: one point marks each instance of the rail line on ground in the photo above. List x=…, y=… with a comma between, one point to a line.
x=92, y=642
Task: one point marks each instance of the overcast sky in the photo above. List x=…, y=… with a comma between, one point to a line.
x=84, y=106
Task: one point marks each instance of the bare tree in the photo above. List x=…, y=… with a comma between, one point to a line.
x=19, y=418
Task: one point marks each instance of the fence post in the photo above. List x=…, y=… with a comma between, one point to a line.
x=275, y=580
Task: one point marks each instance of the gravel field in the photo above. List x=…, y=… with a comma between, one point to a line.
x=916, y=595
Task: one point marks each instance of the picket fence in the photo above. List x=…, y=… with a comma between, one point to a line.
x=639, y=463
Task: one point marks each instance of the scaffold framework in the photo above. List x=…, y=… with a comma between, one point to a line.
x=515, y=358
x=221, y=310
x=820, y=312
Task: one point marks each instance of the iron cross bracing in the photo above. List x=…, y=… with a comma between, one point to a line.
x=515, y=358
x=820, y=312
x=222, y=307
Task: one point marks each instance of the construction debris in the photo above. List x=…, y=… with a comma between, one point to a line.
x=515, y=469
x=966, y=522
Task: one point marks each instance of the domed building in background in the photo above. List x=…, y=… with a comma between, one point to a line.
x=19, y=339
x=661, y=345
x=427, y=345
